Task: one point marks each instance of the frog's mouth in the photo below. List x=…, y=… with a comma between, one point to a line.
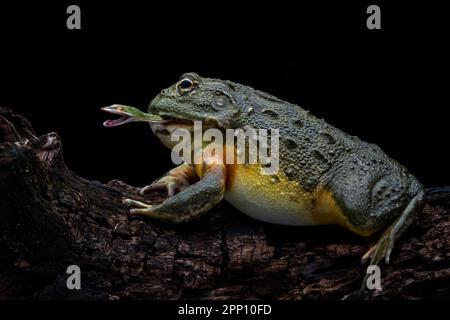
x=186, y=122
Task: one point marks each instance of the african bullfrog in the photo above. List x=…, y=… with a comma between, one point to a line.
x=325, y=176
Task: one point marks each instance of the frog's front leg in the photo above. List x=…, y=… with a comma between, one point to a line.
x=176, y=180
x=190, y=203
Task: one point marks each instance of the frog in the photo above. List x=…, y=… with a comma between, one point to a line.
x=325, y=176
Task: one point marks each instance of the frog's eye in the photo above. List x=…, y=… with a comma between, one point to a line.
x=185, y=86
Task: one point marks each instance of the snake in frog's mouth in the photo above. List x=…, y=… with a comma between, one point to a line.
x=129, y=114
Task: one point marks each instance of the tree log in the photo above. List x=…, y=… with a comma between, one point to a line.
x=50, y=218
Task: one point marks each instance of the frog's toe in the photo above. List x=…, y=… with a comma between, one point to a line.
x=368, y=254
x=169, y=183
x=152, y=187
x=143, y=211
x=135, y=203
x=382, y=249
x=138, y=207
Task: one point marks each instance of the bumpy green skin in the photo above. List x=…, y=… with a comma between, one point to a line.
x=371, y=188
x=371, y=191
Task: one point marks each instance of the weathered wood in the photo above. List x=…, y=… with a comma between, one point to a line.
x=51, y=218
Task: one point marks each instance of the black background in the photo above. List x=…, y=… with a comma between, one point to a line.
x=387, y=86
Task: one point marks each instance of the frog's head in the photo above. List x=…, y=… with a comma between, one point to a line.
x=194, y=98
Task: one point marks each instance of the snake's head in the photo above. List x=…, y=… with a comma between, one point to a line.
x=128, y=114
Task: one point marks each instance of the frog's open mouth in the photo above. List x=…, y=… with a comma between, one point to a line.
x=174, y=120
x=125, y=117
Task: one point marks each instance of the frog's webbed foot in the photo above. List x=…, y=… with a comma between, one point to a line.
x=170, y=183
x=138, y=206
x=176, y=180
x=383, y=248
x=159, y=211
x=148, y=210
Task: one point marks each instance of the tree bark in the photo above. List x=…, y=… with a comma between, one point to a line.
x=50, y=218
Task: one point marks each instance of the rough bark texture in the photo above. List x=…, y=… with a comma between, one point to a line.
x=50, y=218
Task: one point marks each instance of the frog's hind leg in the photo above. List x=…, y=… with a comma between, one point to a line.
x=383, y=248
x=385, y=244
